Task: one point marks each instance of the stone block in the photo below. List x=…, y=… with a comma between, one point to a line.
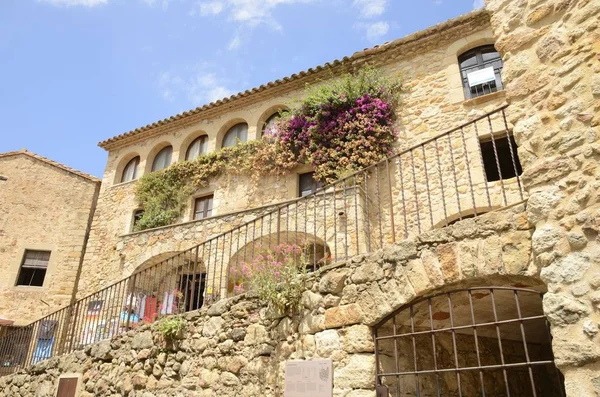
x=333, y=281
x=142, y=340
x=357, y=339
x=341, y=316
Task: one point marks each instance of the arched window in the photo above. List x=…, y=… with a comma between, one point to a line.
x=197, y=148
x=162, y=159
x=130, y=171
x=480, y=71
x=238, y=132
x=270, y=126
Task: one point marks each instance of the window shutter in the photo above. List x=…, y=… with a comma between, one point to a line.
x=36, y=259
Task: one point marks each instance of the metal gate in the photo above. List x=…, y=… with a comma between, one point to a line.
x=484, y=341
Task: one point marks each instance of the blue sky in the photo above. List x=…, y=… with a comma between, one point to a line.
x=75, y=72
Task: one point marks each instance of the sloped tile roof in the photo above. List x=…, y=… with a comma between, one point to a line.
x=24, y=152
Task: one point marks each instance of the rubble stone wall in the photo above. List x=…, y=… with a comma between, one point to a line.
x=236, y=347
x=552, y=80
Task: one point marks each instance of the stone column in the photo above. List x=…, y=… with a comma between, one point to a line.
x=552, y=80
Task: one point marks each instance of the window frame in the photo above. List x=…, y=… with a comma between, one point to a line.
x=496, y=62
x=499, y=150
x=275, y=116
x=206, y=211
x=233, y=130
x=135, y=217
x=167, y=161
x=135, y=160
x=203, y=142
x=315, y=185
x=22, y=266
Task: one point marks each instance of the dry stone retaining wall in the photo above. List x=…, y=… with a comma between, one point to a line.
x=236, y=347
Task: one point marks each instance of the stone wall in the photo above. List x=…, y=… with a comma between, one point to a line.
x=551, y=75
x=238, y=347
x=42, y=207
x=434, y=101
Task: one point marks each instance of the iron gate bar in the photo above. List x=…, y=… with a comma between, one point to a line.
x=458, y=327
x=385, y=379
x=460, y=369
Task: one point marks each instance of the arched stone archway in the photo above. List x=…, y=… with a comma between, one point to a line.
x=481, y=340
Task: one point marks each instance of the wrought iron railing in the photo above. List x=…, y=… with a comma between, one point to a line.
x=429, y=185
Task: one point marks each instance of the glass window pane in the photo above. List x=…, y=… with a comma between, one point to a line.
x=489, y=54
x=198, y=147
x=307, y=184
x=270, y=127
x=162, y=159
x=130, y=171
x=203, y=207
x=235, y=133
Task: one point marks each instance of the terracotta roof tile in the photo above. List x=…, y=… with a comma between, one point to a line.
x=24, y=152
x=367, y=52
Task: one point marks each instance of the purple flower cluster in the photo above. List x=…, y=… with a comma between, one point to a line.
x=341, y=134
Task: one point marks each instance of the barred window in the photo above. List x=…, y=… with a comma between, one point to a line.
x=480, y=69
x=33, y=268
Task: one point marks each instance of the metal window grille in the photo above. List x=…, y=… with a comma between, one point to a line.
x=484, y=341
x=477, y=59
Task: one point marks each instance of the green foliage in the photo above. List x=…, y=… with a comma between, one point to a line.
x=172, y=327
x=341, y=125
x=350, y=87
x=163, y=194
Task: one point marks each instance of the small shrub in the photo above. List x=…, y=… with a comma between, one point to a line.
x=278, y=276
x=171, y=328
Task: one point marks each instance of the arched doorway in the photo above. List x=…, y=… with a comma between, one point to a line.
x=482, y=341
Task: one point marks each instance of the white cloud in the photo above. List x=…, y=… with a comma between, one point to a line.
x=478, y=4
x=370, y=8
x=248, y=13
x=377, y=29
x=373, y=31
x=210, y=7
x=163, y=3
x=198, y=87
x=70, y=3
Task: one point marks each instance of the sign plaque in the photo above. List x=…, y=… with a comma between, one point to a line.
x=312, y=378
x=481, y=76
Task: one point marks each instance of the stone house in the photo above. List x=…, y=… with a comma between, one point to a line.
x=414, y=297
x=45, y=215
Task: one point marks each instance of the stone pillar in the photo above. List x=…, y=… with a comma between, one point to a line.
x=552, y=78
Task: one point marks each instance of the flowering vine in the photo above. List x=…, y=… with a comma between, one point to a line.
x=340, y=126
